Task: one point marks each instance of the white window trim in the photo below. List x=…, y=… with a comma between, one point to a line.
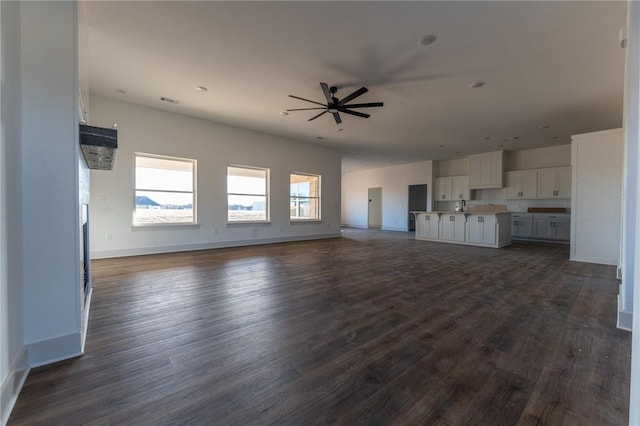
x=267, y=195
x=191, y=224
x=319, y=198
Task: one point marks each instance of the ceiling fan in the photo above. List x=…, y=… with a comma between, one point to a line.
x=335, y=105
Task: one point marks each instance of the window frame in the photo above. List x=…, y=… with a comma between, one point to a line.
x=266, y=195
x=318, y=199
x=194, y=165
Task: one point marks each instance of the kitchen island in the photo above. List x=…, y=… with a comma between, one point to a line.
x=476, y=229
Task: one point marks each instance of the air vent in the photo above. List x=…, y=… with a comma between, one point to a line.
x=98, y=146
x=169, y=100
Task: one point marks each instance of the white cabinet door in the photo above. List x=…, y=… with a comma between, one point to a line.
x=420, y=226
x=427, y=226
x=554, y=183
x=452, y=227
x=552, y=227
x=443, y=186
x=563, y=182
x=542, y=228
x=460, y=187
x=486, y=170
x=481, y=229
x=522, y=184
x=561, y=230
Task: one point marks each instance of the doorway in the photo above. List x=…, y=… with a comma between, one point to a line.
x=375, y=208
x=417, y=202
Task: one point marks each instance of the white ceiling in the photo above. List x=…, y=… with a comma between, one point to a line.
x=558, y=64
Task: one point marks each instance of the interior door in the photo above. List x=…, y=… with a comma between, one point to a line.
x=375, y=207
x=417, y=202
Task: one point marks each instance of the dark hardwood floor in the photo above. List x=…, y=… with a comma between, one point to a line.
x=373, y=328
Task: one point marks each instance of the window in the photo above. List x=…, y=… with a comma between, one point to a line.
x=247, y=194
x=305, y=197
x=164, y=190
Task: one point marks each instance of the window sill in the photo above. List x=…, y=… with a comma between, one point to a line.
x=294, y=221
x=151, y=226
x=249, y=222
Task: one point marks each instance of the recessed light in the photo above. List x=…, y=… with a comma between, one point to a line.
x=339, y=130
x=115, y=125
x=486, y=138
x=546, y=126
x=201, y=89
x=441, y=146
x=168, y=100
x=427, y=40
x=319, y=138
x=554, y=137
x=476, y=84
x=284, y=113
x=120, y=91
x=500, y=146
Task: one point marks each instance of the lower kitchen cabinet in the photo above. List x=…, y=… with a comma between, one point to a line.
x=552, y=227
x=521, y=225
x=486, y=230
x=452, y=227
x=427, y=226
x=481, y=229
x=539, y=226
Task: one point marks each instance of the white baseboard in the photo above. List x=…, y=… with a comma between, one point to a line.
x=625, y=318
x=12, y=385
x=53, y=350
x=389, y=228
x=346, y=225
x=598, y=260
x=104, y=254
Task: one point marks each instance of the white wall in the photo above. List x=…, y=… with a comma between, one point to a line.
x=538, y=158
x=632, y=232
x=13, y=366
x=50, y=152
x=213, y=145
x=394, y=181
x=446, y=168
x=596, y=192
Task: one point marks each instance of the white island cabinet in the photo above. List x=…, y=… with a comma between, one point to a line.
x=476, y=229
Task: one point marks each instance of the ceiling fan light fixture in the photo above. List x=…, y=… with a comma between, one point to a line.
x=427, y=40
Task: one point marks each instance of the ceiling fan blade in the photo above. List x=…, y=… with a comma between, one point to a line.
x=308, y=100
x=316, y=116
x=354, y=95
x=370, y=104
x=336, y=117
x=327, y=93
x=359, y=114
x=303, y=109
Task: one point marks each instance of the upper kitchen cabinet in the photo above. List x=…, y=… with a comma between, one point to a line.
x=522, y=185
x=486, y=170
x=451, y=188
x=554, y=183
x=460, y=187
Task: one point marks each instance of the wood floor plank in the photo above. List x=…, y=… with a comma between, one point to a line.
x=371, y=328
